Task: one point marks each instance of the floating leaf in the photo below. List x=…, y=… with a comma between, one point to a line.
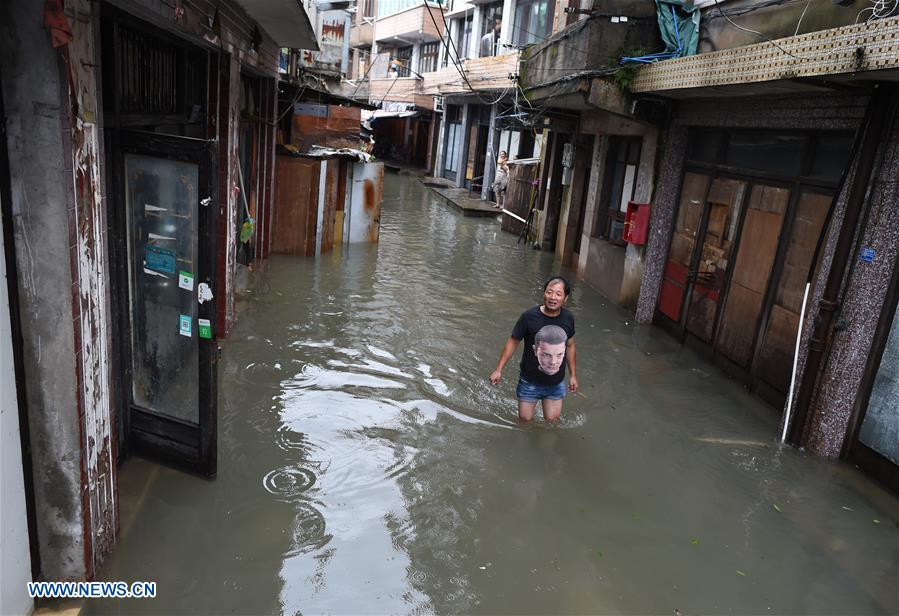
x=776, y=508
x=694, y=541
x=740, y=573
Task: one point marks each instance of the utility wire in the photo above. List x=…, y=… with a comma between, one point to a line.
x=367, y=71
x=387, y=92
x=739, y=27
x=446, y=30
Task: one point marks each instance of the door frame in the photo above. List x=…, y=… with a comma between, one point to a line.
x=798, y=185
x=178, y=443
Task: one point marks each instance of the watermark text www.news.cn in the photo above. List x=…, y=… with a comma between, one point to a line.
x=91, y=590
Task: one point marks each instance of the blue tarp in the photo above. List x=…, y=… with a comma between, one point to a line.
x=679, y=28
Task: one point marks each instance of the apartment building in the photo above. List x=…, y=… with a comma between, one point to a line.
x=445, y=77
x=477, y=89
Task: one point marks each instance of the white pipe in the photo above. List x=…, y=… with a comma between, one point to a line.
x=783, y=436
x=320, y=217
x=515, y=216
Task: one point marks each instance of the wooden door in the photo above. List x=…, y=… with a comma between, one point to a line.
x=712, y=254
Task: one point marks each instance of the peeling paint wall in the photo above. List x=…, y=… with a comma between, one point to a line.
x=235, y=199
x=36, y=97
x=92, y=305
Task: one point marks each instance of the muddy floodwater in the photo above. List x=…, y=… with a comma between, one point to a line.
x=366, y=465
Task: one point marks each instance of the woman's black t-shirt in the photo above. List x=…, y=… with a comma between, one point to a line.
x=529, y=323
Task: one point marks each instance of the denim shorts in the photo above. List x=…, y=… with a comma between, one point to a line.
x=531, y=392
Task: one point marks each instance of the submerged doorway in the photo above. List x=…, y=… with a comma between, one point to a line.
x=753, y=210
x=163, y=211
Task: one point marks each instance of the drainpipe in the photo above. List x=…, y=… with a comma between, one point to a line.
x=881, y=111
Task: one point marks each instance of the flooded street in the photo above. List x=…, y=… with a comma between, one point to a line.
x=366, y=465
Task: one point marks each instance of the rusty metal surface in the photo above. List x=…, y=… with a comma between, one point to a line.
x=365, y=204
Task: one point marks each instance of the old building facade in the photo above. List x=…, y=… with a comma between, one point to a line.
x=138, y=142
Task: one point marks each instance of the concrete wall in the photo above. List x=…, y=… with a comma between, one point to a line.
x=591, y=44
x=774, y=21
x=42, y=189
x=15, y=556
x=605, y=267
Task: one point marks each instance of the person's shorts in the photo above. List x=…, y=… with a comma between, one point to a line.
x=531, y=392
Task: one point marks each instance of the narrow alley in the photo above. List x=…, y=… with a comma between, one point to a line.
x=366, y=465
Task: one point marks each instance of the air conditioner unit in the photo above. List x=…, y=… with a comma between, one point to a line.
x=438, y=104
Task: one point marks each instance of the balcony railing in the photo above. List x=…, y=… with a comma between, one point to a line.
x=488, y=73
x=413, y=24
x=400, y=90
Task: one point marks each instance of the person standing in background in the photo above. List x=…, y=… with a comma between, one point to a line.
x=501, y=182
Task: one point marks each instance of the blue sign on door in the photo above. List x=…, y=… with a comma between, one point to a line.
x=867, y=254
x=159, y=259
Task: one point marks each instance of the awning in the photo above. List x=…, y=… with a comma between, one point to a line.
x=378, y=114
x=285, y=21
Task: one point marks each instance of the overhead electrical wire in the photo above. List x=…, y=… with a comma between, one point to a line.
x=881, y=9
x=756, y=32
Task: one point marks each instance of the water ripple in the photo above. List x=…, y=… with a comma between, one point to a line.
x=289, y=482
x=308, y=531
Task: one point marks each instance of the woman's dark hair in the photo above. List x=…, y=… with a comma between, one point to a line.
x=558, y=279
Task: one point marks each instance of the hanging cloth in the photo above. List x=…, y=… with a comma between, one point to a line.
x=57, y=23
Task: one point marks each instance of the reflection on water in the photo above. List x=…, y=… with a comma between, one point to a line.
x=366, y=465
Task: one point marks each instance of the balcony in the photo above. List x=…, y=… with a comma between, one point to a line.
x=484, y=74
x=573, y=68
x=399, y=90
x=410, y=26
x=361, y=35
x=781, y=67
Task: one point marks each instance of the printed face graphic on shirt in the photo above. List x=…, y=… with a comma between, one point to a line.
x=549, y=356
x=549, y=348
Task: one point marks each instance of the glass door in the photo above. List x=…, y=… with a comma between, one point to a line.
x=873, y=441
x=748, y=287
x=170, y=208
x=711, y=259
x=775, y=347
x=683, y=244
x=880, y=427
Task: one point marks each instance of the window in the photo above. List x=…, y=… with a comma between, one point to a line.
x=389, y=7
x=461, y=35
x=453, y=145
x=533, y=21
x=400, y=63
x=619, y=183
x=491, y=27
x=368, y=8
x=428, y=60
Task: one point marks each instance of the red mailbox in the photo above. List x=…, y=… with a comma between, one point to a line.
x=636, y=223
